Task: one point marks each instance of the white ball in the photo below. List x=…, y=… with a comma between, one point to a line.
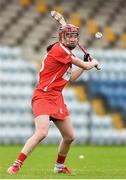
x=81, y=157
x=98, y=35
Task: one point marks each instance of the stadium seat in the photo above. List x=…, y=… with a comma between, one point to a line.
x=117, y=120
x=109, y=35
x=98, y=106
x=41, y=6
x=59, y=9
x=123, y=37
x=92, y=26
x=75, y=19
x=81, y=93
x=25, y=3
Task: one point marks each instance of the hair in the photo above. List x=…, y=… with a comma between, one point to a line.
x=50, y=46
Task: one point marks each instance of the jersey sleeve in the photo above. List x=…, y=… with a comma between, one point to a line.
x=60, y=53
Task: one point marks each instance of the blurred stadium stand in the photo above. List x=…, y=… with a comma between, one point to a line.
x=97, y=101
x=28, y=24
x=17, y=78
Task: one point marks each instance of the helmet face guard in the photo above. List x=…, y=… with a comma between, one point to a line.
x=66, y=33
x=69, y=28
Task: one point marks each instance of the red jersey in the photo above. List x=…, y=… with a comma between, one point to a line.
x=56, y=68
x=54, y=75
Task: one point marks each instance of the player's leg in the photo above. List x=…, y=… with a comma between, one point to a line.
x=66, y=129
x=41, y=129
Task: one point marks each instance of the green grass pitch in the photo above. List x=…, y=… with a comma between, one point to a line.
x=100, y=162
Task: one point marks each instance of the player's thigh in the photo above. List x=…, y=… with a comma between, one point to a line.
x=42, y=123
x=65, y=127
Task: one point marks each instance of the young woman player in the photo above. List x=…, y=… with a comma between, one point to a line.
x=47, y=101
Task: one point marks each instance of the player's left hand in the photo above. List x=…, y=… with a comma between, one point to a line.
x=86, y=57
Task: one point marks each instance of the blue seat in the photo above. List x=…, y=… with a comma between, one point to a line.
x=113, y=90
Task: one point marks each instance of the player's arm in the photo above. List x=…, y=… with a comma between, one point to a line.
x=76, y=73
x=84, y=65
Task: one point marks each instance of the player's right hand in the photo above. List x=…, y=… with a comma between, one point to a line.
x=96, y=64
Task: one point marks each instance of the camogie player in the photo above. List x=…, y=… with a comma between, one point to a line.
x=47, y=101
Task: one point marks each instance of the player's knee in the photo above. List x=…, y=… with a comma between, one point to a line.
x=70, y=138
x=41, y=135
